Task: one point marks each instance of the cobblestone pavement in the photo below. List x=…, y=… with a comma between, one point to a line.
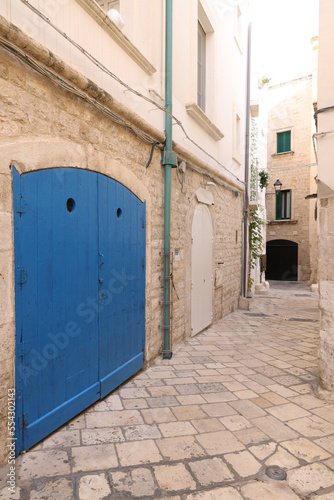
x=208, y=423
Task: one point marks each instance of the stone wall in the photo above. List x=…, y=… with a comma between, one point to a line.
x=290, y=108
x=44, y=126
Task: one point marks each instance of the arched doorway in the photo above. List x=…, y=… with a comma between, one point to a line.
x=201, y=270
x=282, y=260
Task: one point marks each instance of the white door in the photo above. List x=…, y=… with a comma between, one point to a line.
x=201, y=270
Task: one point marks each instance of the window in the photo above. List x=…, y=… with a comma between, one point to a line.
x=284, y=142
x=238, y=27
x=107, y=5
x=283, y=204
x=201, y=67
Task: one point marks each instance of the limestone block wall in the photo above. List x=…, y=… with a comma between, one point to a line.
x=44, y=126
x=290, y=108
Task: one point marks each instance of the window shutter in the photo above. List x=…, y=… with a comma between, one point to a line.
x=279, y=205
x=290, y=200
x=201, y=63
x=284, y=142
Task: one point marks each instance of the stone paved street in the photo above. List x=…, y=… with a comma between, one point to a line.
x=205, y=425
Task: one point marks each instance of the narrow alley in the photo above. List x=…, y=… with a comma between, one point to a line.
x=233, y=415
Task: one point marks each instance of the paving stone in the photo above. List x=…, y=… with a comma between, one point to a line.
x=327, y=443
x=247, y=394
x=138, y=482
x=283, y=459
x=78, y=422
x=227, y=493
x=138, y=452
x=133, y=393
x=218, y=409
x=212, y=470
x=312, y=426
x=100, y=436
x=306, y=450
x=308, y=401
x=181, y=428
x=114, y=402
x=93, y=487
x=243, y=463
x=248, y=409
x=235, y=422
x=189, y=412
x=94, y=457
x=262, y=451
x=207, y=425
x=59, y=489
x=327, y=413
x=219, y=442
x=287, y=380
x=174, y=477
x=268, y=491
x=179, y=448
x=330, y=463
x=135, y=404
x=141, y=432
x=310, y=478
x=262, y=402
x=274, y=428
x=287, y=412
x=285, y=392
x=214, y=387
x=113, y=418
x=325, y=496
x=254, y=386
x=5, y=494
x=274, y=398
x=161, y=374
x=164, y=390
x=62, y=438
x=219, y=397
x=42, y=463
x=162, y=402
x=191, y=399
x=188, y=389
x=158, y=415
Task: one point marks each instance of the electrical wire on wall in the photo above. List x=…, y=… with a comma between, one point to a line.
x=128, y=87
x=70, y=88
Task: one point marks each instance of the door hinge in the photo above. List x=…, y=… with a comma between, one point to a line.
x=21, y=205
x=21, y=276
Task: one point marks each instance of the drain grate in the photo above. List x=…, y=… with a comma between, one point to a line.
x=276, y=472
x=258, y=315
x=306, y=320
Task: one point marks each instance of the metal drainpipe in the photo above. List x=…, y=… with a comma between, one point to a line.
x=246, y=195
x=169, y=160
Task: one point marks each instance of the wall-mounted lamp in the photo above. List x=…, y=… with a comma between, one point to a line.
x=209, y=184
x=277, y=186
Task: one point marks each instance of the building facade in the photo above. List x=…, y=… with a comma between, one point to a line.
x=324, y=138
x=292, y=249
x=82, y=176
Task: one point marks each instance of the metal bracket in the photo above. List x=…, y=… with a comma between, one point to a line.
x=169, y=158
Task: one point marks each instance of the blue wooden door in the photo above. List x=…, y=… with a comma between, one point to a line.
x=79, y=293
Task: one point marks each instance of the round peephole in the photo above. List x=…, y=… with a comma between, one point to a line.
x=119, y=212
x=70, y=205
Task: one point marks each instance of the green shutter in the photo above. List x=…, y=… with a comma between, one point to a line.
x=284, y=142
x=279, y=205
x=290, y=201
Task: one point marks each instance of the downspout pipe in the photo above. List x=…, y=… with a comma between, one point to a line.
x=246, y=193
x=169, y=160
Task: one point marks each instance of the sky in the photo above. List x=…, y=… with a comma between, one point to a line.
x=281, y=38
